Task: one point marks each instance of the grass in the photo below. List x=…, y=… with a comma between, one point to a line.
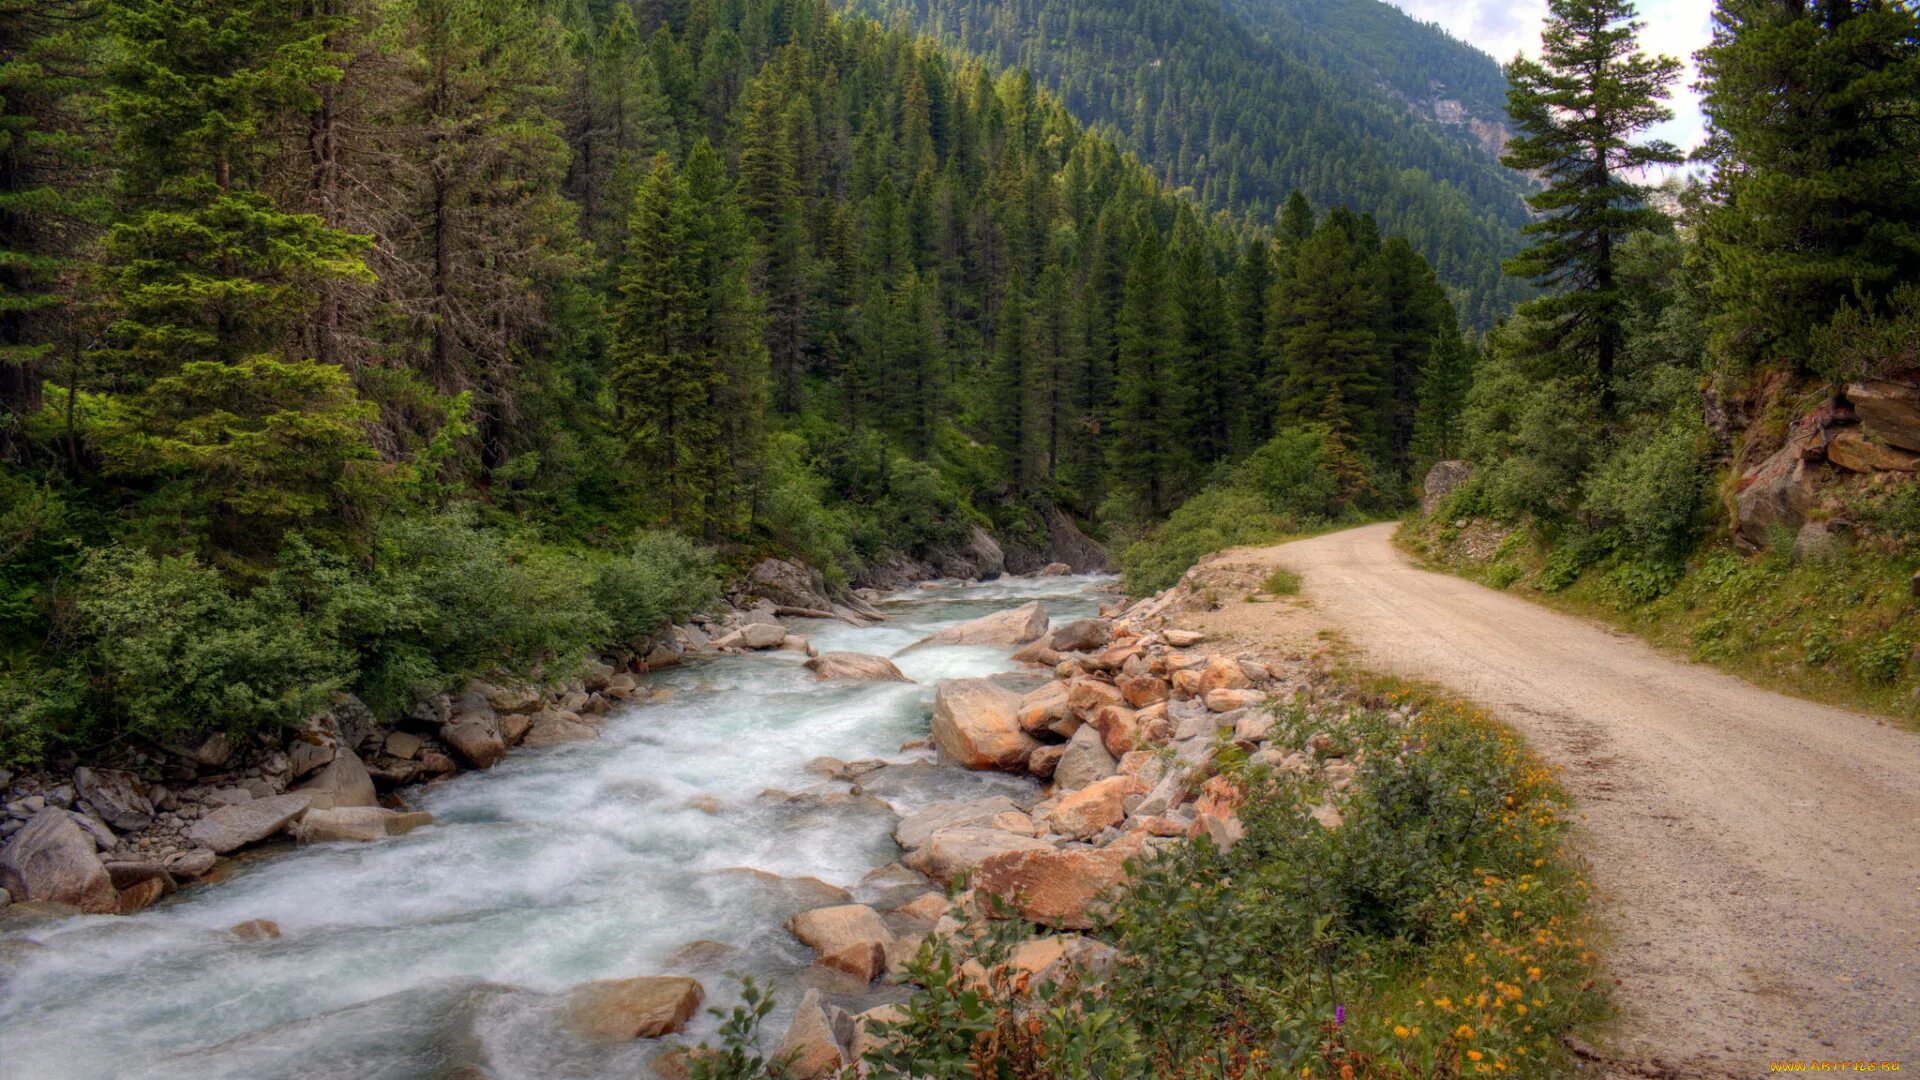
x=1282, y=582
x=1841, y=630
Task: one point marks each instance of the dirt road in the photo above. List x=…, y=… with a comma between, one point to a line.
x=1758, y=857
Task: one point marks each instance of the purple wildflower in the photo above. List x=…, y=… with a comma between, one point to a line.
x=1339, y=1015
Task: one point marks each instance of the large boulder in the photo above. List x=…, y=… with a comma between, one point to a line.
x=1044, y=708
x=854, y=667
x=139, y=884
x=344, y=781
x=1060, y=887
x=52, y=858
x=951, y=852
x=1889, y=410
x=643, y=1008
x=1775, y=494
x=976, y=722
x=233, y=827
x=753, y=635
x=850, y=938
x=1081, y=635
x=980, y=556
x=122, y=799
x=1440, y=482
x=1085, y=761
x=788, y=584
x=476, y=737
x=1067, y=544
x=1015, y=626
x=917, y=828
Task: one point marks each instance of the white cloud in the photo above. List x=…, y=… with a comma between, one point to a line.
x=1505, y=27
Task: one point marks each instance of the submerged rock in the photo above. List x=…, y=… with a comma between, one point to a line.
x=1015, y=626
x=853, y=666
x=642, y=1008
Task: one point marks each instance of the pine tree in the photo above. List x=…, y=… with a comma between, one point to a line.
x=661, y=374
x=1146, y=455
x=1205, y=359
x=1814, y=143
x=1577, y=110
x=1016, y=379
x=1323, y=336
x=1445, y=378
x=1250, y=296
x=212, y=282
x=1414, y=311
x=49, y=202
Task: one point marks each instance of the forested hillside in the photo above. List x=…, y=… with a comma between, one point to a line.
x=1710, y=430
x=371, y=348
x=1245, y=102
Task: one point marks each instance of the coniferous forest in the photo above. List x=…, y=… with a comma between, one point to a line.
x=367, y=345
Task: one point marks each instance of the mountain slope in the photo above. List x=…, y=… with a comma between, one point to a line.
x=1246, y=100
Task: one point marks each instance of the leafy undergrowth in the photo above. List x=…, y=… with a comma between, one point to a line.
x=1438, y=932
x=1841, y=628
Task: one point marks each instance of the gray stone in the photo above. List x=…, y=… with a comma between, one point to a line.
x=51, y=858
x=1086, y=760
x=1441, y=480
x=916, y=829
x=233, y=827
x=343, y=782
x=1081, y=635
x=1016, y=626
x=119, y=797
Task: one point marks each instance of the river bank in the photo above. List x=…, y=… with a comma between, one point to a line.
x=555, y=867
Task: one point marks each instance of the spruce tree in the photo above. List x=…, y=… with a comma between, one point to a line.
x=212, y=282
x=1015, y=378
x=1815, y=145
x=1577, y=110
x=1323, y=334
x=1441, y=398
x=1146, y=453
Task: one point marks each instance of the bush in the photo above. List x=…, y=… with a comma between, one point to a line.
x=792, y=509
x=1656, y=490
x=1219, y=517
x=179, y=652
x=662, y=579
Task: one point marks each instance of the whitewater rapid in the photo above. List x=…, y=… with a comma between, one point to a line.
x=440, y=953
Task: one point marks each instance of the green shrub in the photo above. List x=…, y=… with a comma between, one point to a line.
x=1882, y=662
x=1502, y=574
x=662, y=578
x=792, y=508
x=177, y=651
x=1656, y=490
x=1219, y=517
x=1573, y=554
x=1638, y=582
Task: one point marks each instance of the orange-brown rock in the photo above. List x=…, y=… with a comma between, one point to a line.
x=976, y=723
x=643, y=1008
x=1219, y=796
x=850, y=938
x=1060, y=887
x=1851, y=449
x=1087, y=696
x=1222, y=673
x=1143, y=690
x=1119, y=728
x=1044, y=706
x=1099, y=805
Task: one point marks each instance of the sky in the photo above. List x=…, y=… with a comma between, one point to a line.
x=1504, y=27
